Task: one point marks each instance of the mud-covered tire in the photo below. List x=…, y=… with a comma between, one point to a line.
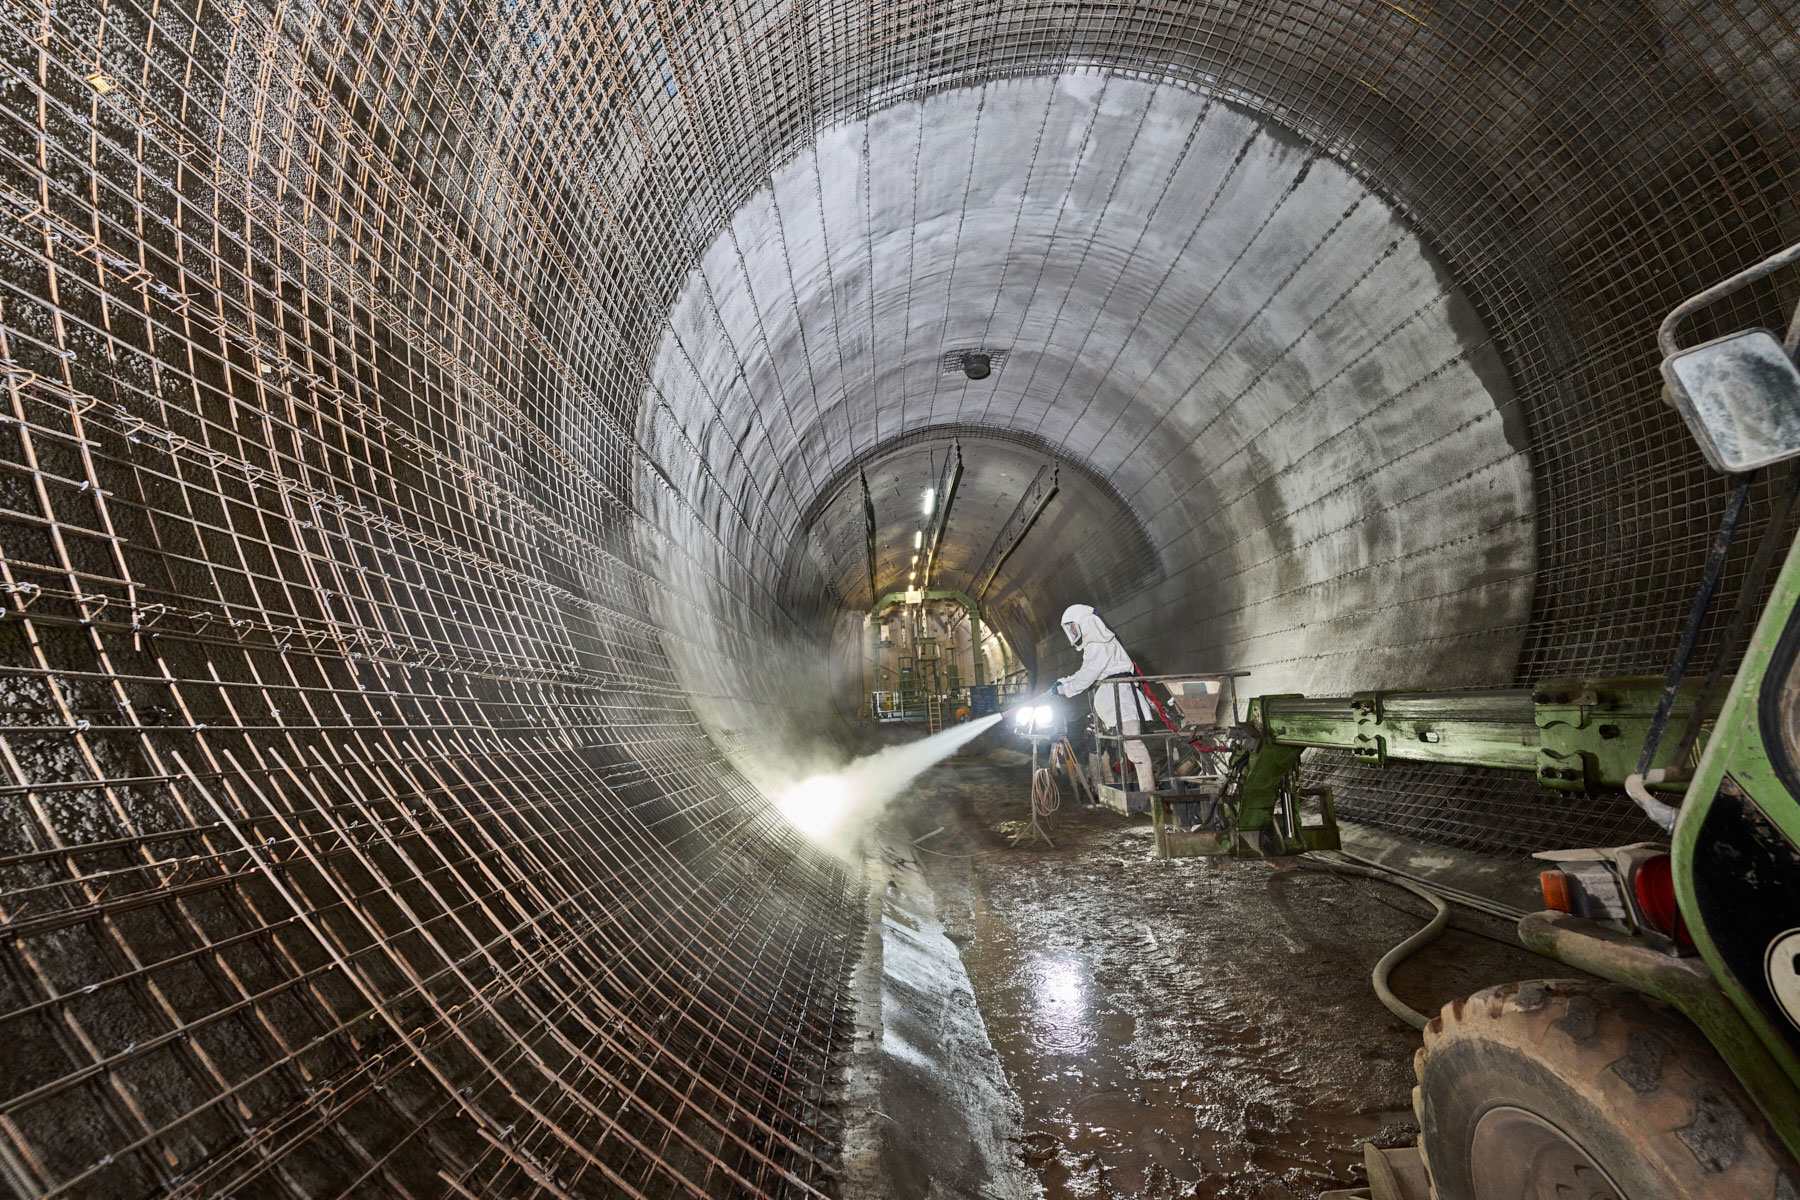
x=1563, y=1088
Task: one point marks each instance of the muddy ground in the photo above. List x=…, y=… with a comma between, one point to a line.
x=1177, y=1030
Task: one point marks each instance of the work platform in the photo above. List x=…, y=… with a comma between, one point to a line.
x=1122, y=800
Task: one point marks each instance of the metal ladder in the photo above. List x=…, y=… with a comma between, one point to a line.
x=934, y=712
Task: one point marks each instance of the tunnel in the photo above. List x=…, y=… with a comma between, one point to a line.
x=453, y=451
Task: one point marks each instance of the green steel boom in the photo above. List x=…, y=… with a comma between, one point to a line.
x=1574, y=735
x=1580, y=735
x=1735, y=857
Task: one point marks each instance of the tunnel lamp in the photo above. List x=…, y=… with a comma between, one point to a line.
x=918, y=538
x=930, y=499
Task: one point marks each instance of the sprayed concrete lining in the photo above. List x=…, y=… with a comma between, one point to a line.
x=929, y=1115
x=1264, y=364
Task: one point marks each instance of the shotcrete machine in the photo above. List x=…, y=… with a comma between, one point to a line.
x=1680, y=1076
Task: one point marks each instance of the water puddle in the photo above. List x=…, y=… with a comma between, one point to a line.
x=1175, y=1029
x=1138, y=1080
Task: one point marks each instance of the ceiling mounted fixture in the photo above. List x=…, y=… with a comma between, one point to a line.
x=976, y=362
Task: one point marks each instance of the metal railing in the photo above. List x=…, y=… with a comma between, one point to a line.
x=1202, y=706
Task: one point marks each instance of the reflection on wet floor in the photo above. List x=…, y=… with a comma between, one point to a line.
x=1106, y=1127
x=1178, y=1031
x=1059, y=987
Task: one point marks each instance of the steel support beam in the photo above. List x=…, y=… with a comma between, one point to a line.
x=943, y=496
x=1573, y=734
x=869, y=531
x=892, y=598
x=1037, y=497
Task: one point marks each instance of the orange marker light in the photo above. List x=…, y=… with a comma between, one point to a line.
x=1556, y=891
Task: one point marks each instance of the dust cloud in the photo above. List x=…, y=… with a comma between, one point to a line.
x=832, y=808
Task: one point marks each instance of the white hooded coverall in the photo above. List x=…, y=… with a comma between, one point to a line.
x=1102, y=656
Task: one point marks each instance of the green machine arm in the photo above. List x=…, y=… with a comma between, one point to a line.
x=1737, y=866
x=1574, y=735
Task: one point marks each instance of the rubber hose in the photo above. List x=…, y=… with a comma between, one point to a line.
x=1400, y=953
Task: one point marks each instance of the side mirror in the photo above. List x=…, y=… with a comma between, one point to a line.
x=1740, y=396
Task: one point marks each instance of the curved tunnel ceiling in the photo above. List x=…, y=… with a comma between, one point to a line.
x=1256, y=357
x=1027, y=528
x=1005, y=493
x=388, y=511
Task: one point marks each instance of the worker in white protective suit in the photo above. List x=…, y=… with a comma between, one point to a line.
x=1104, y=662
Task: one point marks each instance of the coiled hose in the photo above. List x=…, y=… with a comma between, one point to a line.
x=1046, y=797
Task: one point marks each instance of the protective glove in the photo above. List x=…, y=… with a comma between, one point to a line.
x=1056, y=689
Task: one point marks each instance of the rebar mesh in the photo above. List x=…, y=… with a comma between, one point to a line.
x=358, y=839
x=1492, y=812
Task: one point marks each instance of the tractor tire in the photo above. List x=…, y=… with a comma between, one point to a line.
x=1575, y=1091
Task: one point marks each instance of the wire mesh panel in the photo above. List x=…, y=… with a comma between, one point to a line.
x=357, y=839
x=1492, y=812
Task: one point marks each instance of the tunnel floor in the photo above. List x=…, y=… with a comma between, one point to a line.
x=1172, y=1029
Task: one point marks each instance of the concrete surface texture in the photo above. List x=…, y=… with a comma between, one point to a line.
x=1255, y=355
x=928, y=1111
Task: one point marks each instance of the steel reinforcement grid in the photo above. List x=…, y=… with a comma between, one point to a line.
x=357, y=839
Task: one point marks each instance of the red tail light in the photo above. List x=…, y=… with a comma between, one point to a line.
x=1655, y=887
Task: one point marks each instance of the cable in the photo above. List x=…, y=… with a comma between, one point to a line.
x=1662, y=813
x=1399, y=954
x=1469, y=900
x=1750, y=591
x=1046, y=797
x=1512, y=943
